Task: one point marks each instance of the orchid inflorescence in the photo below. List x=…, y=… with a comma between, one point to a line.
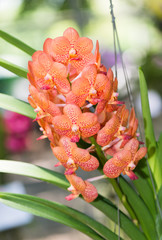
x=75, y=97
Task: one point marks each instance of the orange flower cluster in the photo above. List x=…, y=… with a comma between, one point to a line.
x=75, y=98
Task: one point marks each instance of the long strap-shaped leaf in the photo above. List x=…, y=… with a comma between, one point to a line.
x=19, y=71
x=149, y=131
x=49, y=210
x=33, y=171
x=12, y=104
x=110, y=210
x=144, y=188
x=158, y=163
x=144, y=216
x=17, y=43
x=58, y=179
x=72, y=213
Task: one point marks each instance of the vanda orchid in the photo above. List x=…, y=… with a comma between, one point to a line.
x=76, y=103
x=67, y=105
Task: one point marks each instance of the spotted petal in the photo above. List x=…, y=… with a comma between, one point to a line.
x=132, y=146
x=59, y=74
x=88, y=124
x=90, y=165
x=72, y=112
x=90, y=192
x=61, y=47
x=67, y=145
x=122, y=158
x=106, y=134
x=72, y=35
x=81, y=87
x=140, y=154
x=111, y=170
x=75, y=99
x=76, y=182
x=80, y=155
x=60, y=154
x=84, y=45
x=62, y=125
x=90, y=73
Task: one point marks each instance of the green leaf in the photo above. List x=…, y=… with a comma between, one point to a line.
x=19, y=71
x=158, y=163
x=33, y=171
x=159, y=202
x=142, y=212
x=79, y=216
x=12, y=104
x=149, y=131
x=58, y=179
x=49, y=210
x=17, y=43
x=160, y=197
x=159, y=226
x=143, y=186
x=110, y=210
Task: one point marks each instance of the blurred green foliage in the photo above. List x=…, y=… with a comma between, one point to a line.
x=59, y=5
x=75, y=7
x=152, y=69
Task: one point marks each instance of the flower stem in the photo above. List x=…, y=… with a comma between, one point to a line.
x=123, y=199
x=99, y=151
x=113, y=181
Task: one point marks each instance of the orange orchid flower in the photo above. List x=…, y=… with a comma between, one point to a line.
x=131, y=131
x=46, y=74
x=72, y=157
x=70, y=49
x=75, y=97
x=113, y=128
x=110, y=96
x=125, y=160
x=43, y=103
x=79, y=100
x=45, y=122
x=100, y=67
x=48, y=132
x=79, y=186
x=73, y=123
x=91, y=85
x=126, y=135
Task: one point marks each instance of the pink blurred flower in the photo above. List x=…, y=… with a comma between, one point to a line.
x=15, y=144
x=16, y=123
x=17, y=127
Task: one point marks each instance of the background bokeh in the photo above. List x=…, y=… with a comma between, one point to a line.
x=139, y=24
